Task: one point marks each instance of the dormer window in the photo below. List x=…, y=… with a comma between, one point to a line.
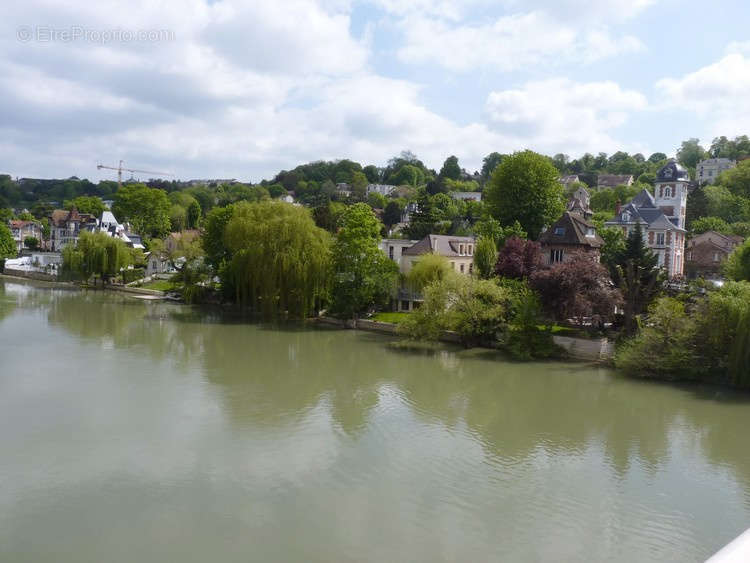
x=560, y=231
x=590, y=232
x=626, y=216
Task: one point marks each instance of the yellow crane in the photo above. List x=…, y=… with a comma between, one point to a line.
x=131, y=170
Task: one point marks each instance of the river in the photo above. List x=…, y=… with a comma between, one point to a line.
x=147, y=431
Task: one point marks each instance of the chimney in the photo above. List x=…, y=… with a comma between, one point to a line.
x=617, y=207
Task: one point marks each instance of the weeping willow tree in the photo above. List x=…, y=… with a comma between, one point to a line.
x=279, y=260
x=96, y=254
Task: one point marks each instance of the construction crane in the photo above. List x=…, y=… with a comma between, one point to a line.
x=131, y=170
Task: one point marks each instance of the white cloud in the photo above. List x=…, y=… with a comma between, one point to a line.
x=246, y=88
x=509, y=43
x=717, y=93
x=559, y=115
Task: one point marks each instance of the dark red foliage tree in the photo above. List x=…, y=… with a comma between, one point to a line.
x=518, y=259
x=579, y=289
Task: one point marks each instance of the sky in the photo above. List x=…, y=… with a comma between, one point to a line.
x=243, y=88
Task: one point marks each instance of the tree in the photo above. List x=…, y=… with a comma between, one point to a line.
x=359, y=186
x=428, y=269
x=489, y=163
x=7, y=244
x=193, y=214
x=524, y=188
x=392, y=212
x=86, y=204
x=451, y=170
x=664, y=347
x=737, y=179
x=638, y=276
x=490, y=227
x=277, y=260
x=363, y=276
x=518, y=259
x=372, y=173
x=614, y=245
x=177, y=218
x=691, y=152
x=578, y=289
x=214, y=246
x=711, y=224
x=737, y=266
x=697, y=205
x=32, y=243
x=96, y=254
x=485, y=257
x=145, y=208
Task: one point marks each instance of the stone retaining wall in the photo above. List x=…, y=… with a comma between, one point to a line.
x=597, y=350
x=31, y=275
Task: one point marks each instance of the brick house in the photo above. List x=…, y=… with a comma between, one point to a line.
x=661, y=216
x=706, y=253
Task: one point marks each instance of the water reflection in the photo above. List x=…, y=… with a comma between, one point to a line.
x=272, y=374
x=555, y=447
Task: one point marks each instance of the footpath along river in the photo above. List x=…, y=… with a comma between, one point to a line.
x=143, y=431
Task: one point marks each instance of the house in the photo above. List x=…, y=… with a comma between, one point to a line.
x=382, y=189
x=579, y=203
x=343, y=189
x=570, y=236
x=156, y=264
x=569, y=179
x=174, y=239
x=21, y=230
x=67, y=225
x=614, y=180
x=706, y=171
x=661, y=217
x=458, y=250
x=394, y=248
x=467, y=196
x=705, y=254
x=108, y=224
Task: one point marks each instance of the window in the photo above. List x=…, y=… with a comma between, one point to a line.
x=404, y=305
x=556, y=255
x=453, y=265
x=470, y=251
x=390, y=252
x=710, y=172
x=461, y=249
x=462, y=268
x=659, y=239
x=560, y=231
x=590, y=232
x=153, y=264
x=716, y=256
x=626, y=216
x=471, y=268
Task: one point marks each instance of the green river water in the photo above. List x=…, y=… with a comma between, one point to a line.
x=135, y=431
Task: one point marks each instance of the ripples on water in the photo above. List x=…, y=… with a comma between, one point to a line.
x=151, y=432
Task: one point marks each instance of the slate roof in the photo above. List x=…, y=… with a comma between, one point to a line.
x=445, y=245
x=642, y=209
x=571, y=229
x=671, y=172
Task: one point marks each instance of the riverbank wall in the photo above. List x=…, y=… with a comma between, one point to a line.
x=29, y=275
x=586, y=349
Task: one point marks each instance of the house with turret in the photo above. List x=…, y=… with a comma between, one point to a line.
x=661, y=216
